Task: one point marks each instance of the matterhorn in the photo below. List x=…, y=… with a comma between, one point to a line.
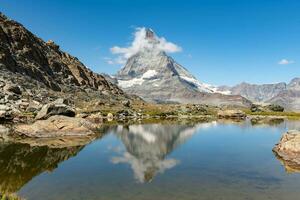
x=156, y=77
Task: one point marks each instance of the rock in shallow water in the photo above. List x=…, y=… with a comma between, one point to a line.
x=57, y=126
x=288, y=148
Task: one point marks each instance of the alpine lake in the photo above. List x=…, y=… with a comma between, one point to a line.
x=217, y=160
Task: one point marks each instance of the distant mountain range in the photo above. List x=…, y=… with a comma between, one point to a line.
x=284, y=94
x=155, y=76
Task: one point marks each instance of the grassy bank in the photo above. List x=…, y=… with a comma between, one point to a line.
x=9, y=197
x=289, y=115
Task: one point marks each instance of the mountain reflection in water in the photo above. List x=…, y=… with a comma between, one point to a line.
x=147, y=147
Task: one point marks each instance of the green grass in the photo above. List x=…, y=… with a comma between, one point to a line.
x=290, y=115
x=9, y=197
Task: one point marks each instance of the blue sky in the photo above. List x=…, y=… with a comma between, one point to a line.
x=222, y=41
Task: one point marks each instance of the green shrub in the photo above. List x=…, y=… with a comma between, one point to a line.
x=275, y=108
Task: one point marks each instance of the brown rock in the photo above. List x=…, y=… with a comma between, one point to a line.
x=23, y=53
x=14, y=89
x=57, y=126
x=231, y=114
x=55, y=108
x=288, y=148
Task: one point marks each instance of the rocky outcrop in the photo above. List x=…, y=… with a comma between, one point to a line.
x=24, y=53
x=57, y=126
x=57, y=107
x=288, y=149
x=34, y=73
x=231, y=114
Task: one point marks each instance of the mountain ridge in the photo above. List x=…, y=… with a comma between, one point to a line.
x=24, y=53
x=283, y=94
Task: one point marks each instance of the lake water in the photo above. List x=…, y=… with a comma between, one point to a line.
x=161, y=161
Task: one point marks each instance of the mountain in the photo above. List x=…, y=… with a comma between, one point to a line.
x=28, y=57
x=153, y=75
x=256, y=93
x=289, y=98
x=283, y=94
x=294, y=84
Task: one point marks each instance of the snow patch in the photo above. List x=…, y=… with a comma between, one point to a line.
x=226, y=92
x=201, y=86
x=204, y=87
x=130, y=83
x=137, y=81
x=149, y=74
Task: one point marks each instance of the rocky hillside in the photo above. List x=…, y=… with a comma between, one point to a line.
x=34, y=72
x=155, y=76
x=283, y=94
x=289, y=99
x=23, y=53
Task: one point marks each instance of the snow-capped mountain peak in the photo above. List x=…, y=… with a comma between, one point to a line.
x=153, y=75
x=151, y=58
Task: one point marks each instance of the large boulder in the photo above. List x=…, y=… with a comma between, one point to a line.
x=57, y=107
x=231, y=114
x=288, y=148
x=57, y=126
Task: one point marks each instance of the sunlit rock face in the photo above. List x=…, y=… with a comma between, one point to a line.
x=288, y=150
x=25, y=54
x=19, y=163
x=148, y=146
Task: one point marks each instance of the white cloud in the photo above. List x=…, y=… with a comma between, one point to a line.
x=285, y=62
x=114, y=61
x=140, y=42
x=110, y=62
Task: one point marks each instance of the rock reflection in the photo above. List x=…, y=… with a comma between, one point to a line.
x=267, y=121
x=19, y=163
x=289, y=165
x=147, y=147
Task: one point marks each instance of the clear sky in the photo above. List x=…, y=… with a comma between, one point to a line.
x=222, y=41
